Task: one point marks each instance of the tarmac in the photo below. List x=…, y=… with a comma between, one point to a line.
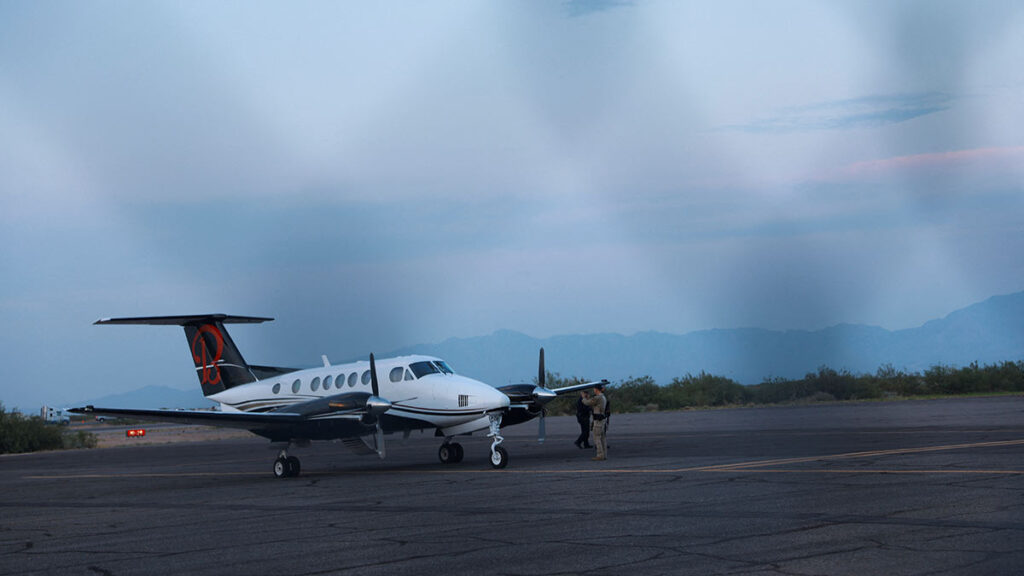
x=912, y=487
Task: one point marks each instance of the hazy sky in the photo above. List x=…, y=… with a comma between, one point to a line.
x=378, y=174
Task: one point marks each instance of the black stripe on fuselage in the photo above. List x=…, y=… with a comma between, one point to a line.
x=435, y=411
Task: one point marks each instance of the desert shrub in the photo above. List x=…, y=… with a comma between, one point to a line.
x=78, y=439
x=821, y=397
x=776, y=390
x=893, y=382
x=634, y=394
x=826, y=384
x=705, y=390
x=20, y=433
x=842, y=385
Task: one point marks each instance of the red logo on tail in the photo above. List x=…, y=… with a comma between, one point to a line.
x=202, y=357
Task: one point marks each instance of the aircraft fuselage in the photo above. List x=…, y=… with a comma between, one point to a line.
x=424, y=393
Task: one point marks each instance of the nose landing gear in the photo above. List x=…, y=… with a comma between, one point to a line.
x=499, y=456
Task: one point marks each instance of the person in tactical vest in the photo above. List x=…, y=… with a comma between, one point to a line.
x=598, y=403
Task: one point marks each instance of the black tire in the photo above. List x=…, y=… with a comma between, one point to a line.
x=499, y=458
x=294, y=466
x=281, y=468
x=446, y=454
x=459, y=452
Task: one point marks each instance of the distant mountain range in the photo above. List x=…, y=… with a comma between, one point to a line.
x=988, y=332
x=152, y=397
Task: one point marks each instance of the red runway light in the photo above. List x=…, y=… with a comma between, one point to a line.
x=135, y=432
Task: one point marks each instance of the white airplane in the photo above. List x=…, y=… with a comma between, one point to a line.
x=357, y=402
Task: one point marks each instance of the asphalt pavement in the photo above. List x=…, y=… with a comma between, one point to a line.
x=915, y=487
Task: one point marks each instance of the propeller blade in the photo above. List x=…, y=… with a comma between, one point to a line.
x=540, y=370
x=541, y=394
x=541, y=429
x=378, y=441
x=373, y=377
x=375, y=407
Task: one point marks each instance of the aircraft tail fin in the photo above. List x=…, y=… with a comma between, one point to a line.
x=219, y=364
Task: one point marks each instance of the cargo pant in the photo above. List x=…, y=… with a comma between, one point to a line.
x=598, y=428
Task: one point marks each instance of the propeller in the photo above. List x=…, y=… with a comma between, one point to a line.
x=375, y=406
x=542, y=395
x=540, y=370
x=373, y=377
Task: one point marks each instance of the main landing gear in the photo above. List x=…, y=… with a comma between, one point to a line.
x=286, y=466
x=452, y=453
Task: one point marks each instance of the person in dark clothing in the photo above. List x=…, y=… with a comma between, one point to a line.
x=583, y=417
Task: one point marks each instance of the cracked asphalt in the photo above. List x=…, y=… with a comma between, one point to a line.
x=916, y=487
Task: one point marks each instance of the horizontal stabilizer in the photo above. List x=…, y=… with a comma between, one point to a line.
x=219, y=363
x=185, y=320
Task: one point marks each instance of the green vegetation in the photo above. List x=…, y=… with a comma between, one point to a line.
x=19, y=433
x=706, y=390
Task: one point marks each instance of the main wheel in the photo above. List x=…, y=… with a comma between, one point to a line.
x=459, y=452
x=294, y=467
x=281, y=468
x=446, y=453
x=499, y=457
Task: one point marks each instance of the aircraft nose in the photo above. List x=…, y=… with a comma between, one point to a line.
x=491, y=397
x=500, y=398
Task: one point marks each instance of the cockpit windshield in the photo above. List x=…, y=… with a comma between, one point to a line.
x=421, y=369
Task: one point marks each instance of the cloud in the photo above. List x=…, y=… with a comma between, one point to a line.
x=990, y=160
x=865, y=112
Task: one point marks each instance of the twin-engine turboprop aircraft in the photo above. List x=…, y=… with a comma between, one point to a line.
x=357, y=402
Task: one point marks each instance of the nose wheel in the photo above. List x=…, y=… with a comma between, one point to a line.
x=499, y=457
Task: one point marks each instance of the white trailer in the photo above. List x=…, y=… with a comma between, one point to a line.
x=57, y=415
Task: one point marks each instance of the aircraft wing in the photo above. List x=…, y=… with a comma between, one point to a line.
x=350, y=404
x=577, y=387
x=243, y=420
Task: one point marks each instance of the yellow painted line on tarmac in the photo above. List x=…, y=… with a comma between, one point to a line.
x=570, y=471
x=763, y=465
x=867, y=454
x=866, y=471
x=757, y=466
x=141, y=475
x=564, y=471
